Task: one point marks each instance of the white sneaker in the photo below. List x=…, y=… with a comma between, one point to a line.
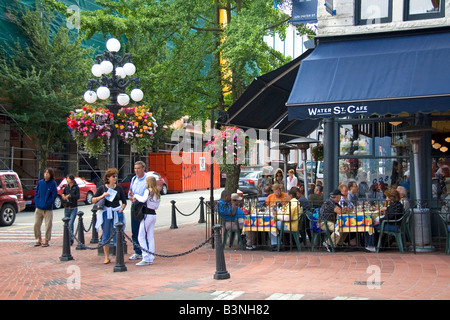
x=144, y=263
x=135, y=256
x=326, y=245
x=371, y=249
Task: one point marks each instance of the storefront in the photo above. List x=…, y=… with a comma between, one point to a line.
x=365, y=88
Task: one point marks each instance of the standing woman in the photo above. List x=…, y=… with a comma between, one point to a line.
x=70, y=196
x=151, y=198
x=112, y=210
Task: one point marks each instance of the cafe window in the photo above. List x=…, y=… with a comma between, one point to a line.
x=423, y=9
x=373, y=12
x=373, y=155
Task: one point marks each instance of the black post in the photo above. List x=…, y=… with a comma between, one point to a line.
x=174, y=216
x=80, y=245
x=94, y=238
x=66, y=256
x=202, y=210
x=120, y=263
x=221, y=269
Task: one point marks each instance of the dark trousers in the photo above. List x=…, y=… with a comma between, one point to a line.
x=134, y=233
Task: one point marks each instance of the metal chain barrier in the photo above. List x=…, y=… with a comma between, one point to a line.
x=186, y=215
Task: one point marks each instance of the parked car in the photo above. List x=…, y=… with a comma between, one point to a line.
x=248, y=181
x=161, y=181
x=11, y=197
x=87, y=191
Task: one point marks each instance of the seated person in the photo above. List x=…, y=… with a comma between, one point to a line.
x=229, y=211
x=329, y=211
x=394, y=211
x=316, y=198
x=290, y=212
x=302, y=199
x=277, y=197
x=262, y=198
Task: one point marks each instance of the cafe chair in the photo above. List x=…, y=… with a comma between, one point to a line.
x=447, y=232
x=232, y=234
x=295, y=234
x=400, y=232
x=319, y=233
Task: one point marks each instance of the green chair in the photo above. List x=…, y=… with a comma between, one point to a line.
x=294, y=234
x=447, y=232
x=399, y=234
x=232, y=234
x=319, y=235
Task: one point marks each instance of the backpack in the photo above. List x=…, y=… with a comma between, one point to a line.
x=315, y=218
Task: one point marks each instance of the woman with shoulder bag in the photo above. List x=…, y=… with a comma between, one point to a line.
x=112, y=212
x=151, y=198
x=70, y=197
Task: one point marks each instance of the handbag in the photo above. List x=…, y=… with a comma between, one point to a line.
x=100, y=205
x=138, y=211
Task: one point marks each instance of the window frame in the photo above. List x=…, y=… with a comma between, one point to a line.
x=422, y=16
x=362, y=22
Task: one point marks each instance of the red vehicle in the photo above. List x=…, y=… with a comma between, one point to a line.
x=11, y=197
x=161, y=181
x=87, y=191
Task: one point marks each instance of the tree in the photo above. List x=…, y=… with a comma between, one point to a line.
x=191, y=55
x=43, y=78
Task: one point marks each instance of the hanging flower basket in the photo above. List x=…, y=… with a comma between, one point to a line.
x=136, y=126
x=91, y=128
x=229, y=146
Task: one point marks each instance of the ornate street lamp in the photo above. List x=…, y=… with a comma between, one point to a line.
x=113, y=77
x=303, y=144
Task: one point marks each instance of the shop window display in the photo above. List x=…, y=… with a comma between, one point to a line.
x=374, y=157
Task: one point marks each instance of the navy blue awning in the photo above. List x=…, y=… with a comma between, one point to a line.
x=383, y=75
x=263, y=104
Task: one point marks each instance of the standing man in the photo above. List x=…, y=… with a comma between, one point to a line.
x=44, y=199
x=137, y=187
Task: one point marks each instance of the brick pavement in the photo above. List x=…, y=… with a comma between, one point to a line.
x=29, y=273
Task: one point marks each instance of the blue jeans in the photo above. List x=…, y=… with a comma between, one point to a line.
x=71, y=213
x=135, y=232
x=108, y=225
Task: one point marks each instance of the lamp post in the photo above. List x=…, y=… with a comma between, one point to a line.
x=284, y=148
x=422, y=234
x=303, y=144
x=112, y=70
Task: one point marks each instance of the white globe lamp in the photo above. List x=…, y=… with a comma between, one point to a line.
x=90, y=96
x=120, y=72
x=106, y=66
x=103, y=93
x=136, y=94
x=97, y=70
x=113, y=45
x=123, y=99
x=129, y=68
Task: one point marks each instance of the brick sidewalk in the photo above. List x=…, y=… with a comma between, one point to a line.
x=29, y=273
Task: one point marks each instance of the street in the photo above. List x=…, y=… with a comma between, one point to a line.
x=22, y=229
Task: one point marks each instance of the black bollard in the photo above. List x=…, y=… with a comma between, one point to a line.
x=221, y=269
x=94, y=238
x=66, y=256
x=202, y=210
x=120, y=263
x=80, y=245
x=174, y=216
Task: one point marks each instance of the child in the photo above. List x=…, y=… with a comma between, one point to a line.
x=152, y=199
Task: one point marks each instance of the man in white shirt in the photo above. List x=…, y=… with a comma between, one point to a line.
x=137, y=187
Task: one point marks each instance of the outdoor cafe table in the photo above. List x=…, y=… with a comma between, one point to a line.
x=361, y=221
x=261, y=221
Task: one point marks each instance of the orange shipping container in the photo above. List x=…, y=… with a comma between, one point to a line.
x=186, y=171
